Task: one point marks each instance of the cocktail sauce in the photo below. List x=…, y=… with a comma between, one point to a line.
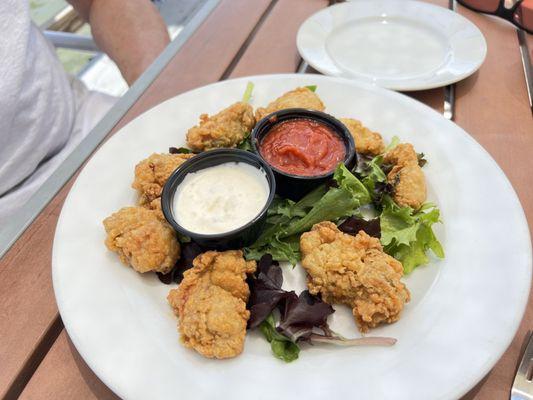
x=302, y=147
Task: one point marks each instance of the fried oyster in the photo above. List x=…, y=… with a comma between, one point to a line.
x=142, y=240
x=211, y=303
x=228, y=128
x=366, y=141
x=406, y=176
x=354, y=270
x=151, y=175
x=301, y=97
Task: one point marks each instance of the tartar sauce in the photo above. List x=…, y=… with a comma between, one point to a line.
x=221, y=198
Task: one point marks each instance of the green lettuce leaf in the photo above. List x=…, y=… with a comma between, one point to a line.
x=248, y=92
x=246, y=144
x=179, y=150
x=310, y=199
x=398, y=225
x=407, y=235
x=282, y=347
x=282, y=250
x=287, y=219
x=395, y=141
x=182, y=238
x=342, y=201
x=372, y=173
x=411, y=256
x=348, y=182
x=285, y=208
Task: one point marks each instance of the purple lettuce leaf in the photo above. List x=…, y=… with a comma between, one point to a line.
x=353, y=225
x=189, y=251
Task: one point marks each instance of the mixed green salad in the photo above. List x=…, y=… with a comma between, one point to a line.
x=405, y=233
x=356, y=200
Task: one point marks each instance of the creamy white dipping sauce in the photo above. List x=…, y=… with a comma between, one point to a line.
x=221, y=198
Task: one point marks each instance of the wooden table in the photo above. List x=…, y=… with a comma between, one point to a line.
x=248, y=37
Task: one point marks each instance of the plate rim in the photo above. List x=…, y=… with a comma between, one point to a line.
x=93, y=363
x=398, y=86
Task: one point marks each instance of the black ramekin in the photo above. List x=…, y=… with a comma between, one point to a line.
x=235, y=239
x=292, y=186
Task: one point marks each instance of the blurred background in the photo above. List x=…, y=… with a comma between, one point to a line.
x=72, y=38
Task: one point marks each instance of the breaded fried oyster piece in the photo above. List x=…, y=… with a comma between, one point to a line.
x=401, y=155
x=142, y=240
x=366, y=141
x=155, y=206
x=228, y=128
x=300, y=97
x=354, y=270
x=211, y=303
x=406, y=177
x=152, y=173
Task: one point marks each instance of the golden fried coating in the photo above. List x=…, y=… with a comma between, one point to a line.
x=366, y=141
x=409, y=185
x=300, y=97
x=142, y=240
x=354, y=270
x=228, y=128
x=211, y=303
x=401, y=155
x=155, y=206
x=214, y=323
x=406, y=176
x=152, y=173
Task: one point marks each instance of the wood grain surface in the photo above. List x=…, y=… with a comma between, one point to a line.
x=64, y=375
x=273, y=49
x=492, y=106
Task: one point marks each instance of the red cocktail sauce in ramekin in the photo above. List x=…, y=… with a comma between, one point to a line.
x=302, y=147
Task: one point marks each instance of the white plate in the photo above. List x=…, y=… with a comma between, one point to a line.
x=396, y=44
x=464, y=310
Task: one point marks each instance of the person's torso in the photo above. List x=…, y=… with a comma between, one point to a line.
x=37, y=107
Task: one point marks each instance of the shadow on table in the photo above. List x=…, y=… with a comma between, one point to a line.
x=96, y=386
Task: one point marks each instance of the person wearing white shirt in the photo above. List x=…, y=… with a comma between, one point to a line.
x=44, y=112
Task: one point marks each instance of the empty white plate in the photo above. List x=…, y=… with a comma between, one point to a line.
x=397, y=44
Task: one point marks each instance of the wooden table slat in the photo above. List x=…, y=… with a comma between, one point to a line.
x=274, y=47
x=64, y=375
x=26, y=295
